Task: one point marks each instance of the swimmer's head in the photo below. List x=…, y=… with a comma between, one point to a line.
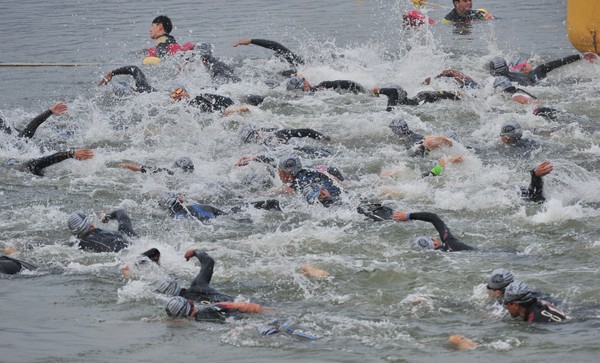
x=169, y=200
x=498, y=66
x=204, y=48
x=424, y=243
x=253, y=100
x=249, y=134
x=289, y=166
x=511, y=130
x=502, y=83
x=153, y=254
x=79, y=224
x=399, y=126
x=165, y=22
x=122, y=89
x=295, y=83
x=499, y=279
x=184, y=163
x=178, y=92
x=179, y=307
x=168, y=287
x=518, y=292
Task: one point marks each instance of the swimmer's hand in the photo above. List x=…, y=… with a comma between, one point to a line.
x=58, y=109
x=400, y=216
x=106, y=78
x=590, y=56
x=376, y=91
x=83, y=154
x=131, y=166
x=544, y=168
x=242, y=42
x=189, y=254
x=244, y=160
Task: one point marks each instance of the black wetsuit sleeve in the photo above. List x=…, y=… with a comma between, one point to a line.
x=4, y=127
x=541, y=71
x=341, y=85
x=450, y=242
x=393, y=97
x=154, y=170
x=433, y=96
x=287, y=134
x=125, y=225
x=206, y=270
x=33, y=125
x=208, y=102
x=280, y=51
x=267, y=160
x=36, y=166
x=141, y=83
x=535, y=192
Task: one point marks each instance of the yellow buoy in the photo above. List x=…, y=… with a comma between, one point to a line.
x=151, y=60
x=583, y=24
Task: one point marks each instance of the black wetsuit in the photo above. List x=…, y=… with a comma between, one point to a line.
x=37, y=166
x=339, y=85
x=208, y=102
x=280, y=51
x=449, y=242
x=31, y=127
x=535, y=191
x=413, y=141
x=512, y=90
x=521, y=148
x=200, y=289
x=541, y=311
x=141, y=83
x=154, y=170
x=471, y=15
x=99, y=240
x=204, y=212
x=540, y=72
x=218, y=70
x=11, y=266
x=397, y=97
x=309, y=183
x=216, y=313
x=162, y=47
x=201, y=212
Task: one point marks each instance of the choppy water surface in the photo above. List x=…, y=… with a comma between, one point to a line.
x=382, y=301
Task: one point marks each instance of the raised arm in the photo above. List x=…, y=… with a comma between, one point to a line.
x=287, y=134
x=56, y=109
x=207, y=266
x=141, y=83
x=280, y=50
x=122, y=218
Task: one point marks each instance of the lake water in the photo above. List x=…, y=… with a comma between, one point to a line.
x=383, y=301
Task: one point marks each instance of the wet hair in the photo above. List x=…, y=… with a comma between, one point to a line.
x=165, y=21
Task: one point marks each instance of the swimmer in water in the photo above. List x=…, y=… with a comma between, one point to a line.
x=99, y=240
x=463, y=13
x=37, y=166
x=397, y=96
x=183, y=164
x=521, y=302
x=58, y=109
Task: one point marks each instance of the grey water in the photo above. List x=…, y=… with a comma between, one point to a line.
x=382, y=301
